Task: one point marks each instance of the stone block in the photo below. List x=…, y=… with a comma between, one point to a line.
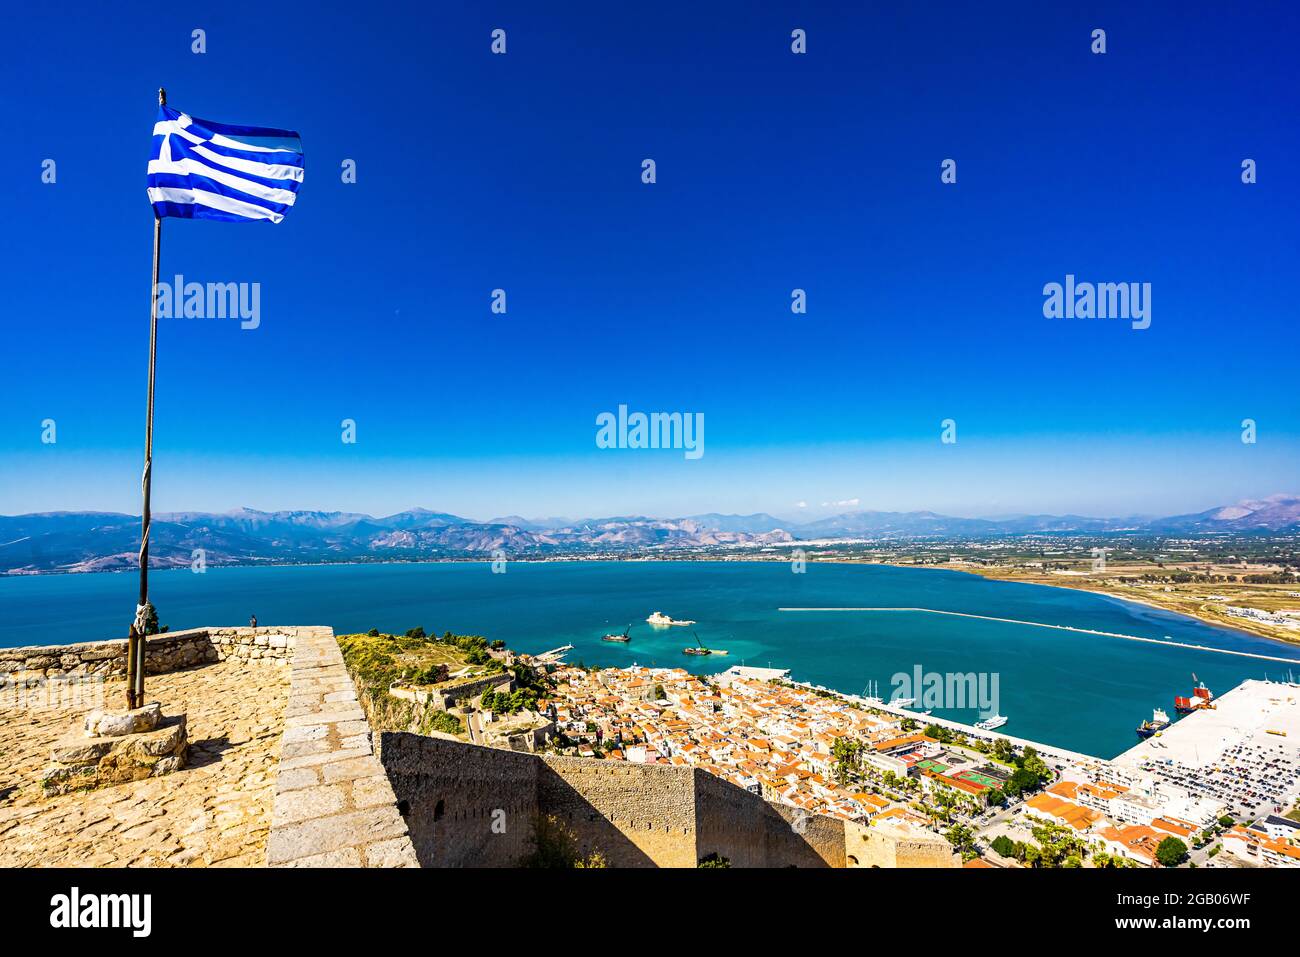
x=79, y=762
x=109, y=724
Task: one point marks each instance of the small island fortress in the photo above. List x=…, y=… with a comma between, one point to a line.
x=659, y=618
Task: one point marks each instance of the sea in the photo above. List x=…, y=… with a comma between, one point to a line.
x=1084, y=692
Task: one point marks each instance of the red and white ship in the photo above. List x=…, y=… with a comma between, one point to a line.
x=1201, y=698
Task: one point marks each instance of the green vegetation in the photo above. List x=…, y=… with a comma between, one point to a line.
x=1031, y=773
x=512, y=702
x=556, y=846
x=846, y=752
x=1171, y=852
x=441, y=721
x=962, y=838
x=714, y=860
x=377, y=660
x=939, y=733
x=1004, y=845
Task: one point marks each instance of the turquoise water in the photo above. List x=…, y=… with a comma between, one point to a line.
x=1084, y=692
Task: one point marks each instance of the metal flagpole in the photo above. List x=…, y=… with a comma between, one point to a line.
x=135, y=645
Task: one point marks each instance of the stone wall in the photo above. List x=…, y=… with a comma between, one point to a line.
x=885, y=846
x=451, y=793
x=446, y=696
x=470, y=806
x=163, y=653
x=751, y=832
x=334, y=806
x=636, y=815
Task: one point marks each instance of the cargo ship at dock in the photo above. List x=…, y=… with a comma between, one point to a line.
x=1202, y=697
x=1159, y=721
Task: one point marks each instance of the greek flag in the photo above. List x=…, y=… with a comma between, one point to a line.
x=204, y=170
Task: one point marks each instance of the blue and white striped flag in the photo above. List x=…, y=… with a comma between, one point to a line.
x=204, y=170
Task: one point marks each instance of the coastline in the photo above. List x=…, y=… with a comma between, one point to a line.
x=1244, y=626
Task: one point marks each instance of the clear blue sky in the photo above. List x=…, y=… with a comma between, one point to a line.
x=775, y=171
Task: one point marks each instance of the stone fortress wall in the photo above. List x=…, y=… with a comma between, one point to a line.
x=469, y=806
x=163, y=653
x=333, y=804
x=450, y=804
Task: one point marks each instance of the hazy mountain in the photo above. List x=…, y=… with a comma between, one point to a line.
x=531, y=524
x=756, y=524
x=419, y=518
x=96, y=541
x=1277, y=513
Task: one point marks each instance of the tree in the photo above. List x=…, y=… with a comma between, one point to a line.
x=416, y=632
x=150, y=619
x=961, y=838
x=939, y=733
x=1171, y=852
x=1004, y=845
x=845, y=751
x=1035, y=765
x=1020, y=782
x=714, y=860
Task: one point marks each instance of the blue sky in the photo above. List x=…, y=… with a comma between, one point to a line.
x=775, y=171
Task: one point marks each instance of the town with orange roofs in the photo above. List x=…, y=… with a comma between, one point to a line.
x=999, y=801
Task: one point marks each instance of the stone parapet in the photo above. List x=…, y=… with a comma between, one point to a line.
x=334, y=806
x=163, y=653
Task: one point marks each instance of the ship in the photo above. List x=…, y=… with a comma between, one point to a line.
x=1159, y=721
x=699, y=648
x=991, y=724
x=659, y=618
x=625, y=637
x=1201, y=698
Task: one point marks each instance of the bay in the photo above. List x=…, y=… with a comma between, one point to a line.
x=1078, y=691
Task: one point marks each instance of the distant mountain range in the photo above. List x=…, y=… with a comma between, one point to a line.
x=103, y=541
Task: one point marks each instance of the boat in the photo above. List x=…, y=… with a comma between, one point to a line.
x=1159, y=721
x=902, y=702
x=1201, y=698
x=625, y=637
x=699, y=648
x=991, y=724
x=660, y=619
